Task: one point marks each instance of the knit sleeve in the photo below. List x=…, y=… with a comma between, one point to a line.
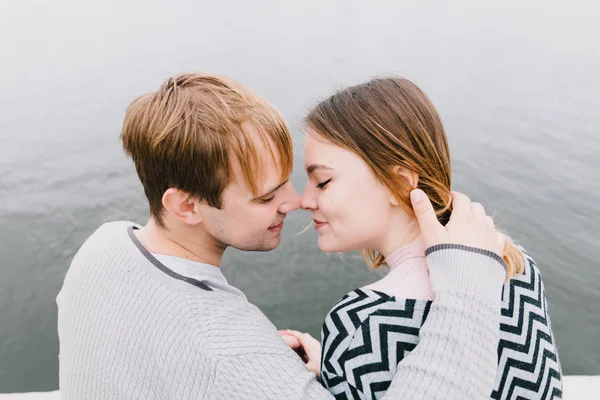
x=267, y=377
x=253, y=360
x=456, y=357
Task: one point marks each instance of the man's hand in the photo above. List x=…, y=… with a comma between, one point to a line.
x=306, y=346
x=468, y=226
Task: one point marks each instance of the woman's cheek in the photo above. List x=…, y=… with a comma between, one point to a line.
x=328, y=204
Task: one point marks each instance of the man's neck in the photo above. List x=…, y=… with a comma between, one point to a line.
x=183, y=241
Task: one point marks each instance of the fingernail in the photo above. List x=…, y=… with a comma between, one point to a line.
x=416, y=195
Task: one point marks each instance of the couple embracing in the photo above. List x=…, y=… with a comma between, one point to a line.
x=146, y=313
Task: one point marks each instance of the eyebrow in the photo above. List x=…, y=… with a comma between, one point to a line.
x=271, y=191
x=311, y=168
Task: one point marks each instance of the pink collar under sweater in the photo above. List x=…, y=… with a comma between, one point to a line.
x=408, y=276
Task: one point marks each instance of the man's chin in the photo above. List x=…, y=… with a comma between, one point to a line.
x=271, y=245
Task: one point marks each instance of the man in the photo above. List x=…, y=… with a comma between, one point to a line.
x=145, y=313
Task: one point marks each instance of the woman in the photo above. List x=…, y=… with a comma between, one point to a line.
x=367, y=147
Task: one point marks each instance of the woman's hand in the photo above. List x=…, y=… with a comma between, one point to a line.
x=290, y=340
x=306, y=346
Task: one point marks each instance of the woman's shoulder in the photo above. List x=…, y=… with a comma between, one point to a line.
x=371, y=329
x=529, y=280
x=359, y=304
x=526, y=337
x=524, y=301
x=524, y=290
x=366, y=306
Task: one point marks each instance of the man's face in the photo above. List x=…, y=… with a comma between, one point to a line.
x=249, y=222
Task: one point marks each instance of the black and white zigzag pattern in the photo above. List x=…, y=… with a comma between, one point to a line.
x=528, y=363
x=367, y=333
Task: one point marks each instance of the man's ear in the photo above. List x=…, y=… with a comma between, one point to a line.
x=182, y=206
x=411, y=176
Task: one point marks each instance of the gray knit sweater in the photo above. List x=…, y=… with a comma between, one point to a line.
x=130, y=328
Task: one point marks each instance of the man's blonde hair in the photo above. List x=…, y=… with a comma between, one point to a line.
x=190, y=133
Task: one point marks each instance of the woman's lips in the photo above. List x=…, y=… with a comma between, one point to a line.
x=319, y=224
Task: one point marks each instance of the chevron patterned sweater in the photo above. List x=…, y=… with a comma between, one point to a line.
x=131, y=328
x=370, y=331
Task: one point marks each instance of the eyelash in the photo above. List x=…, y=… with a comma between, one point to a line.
x=267, y=200
x=323, y=184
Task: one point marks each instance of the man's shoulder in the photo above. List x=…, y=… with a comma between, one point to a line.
x=112, y=229
x=106, y=236
x=233, y=326
x=226, y=311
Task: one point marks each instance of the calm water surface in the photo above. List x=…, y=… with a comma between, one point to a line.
x=517, y=88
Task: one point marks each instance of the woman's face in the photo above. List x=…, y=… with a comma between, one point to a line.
x=350, y=206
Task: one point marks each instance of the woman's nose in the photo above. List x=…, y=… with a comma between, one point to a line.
x=308, y=200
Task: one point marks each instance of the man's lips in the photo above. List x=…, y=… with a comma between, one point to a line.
x=276, y=228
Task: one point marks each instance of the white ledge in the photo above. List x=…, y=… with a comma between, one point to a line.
x=575, y=388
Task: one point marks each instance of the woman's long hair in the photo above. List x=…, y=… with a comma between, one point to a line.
x=390, y=122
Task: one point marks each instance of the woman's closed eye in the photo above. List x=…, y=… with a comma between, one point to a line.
x=323, y=184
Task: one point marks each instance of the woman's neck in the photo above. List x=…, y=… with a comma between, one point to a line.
x=399, y=234
x=401, y=255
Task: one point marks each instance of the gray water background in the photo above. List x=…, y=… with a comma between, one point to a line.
x=517, y=85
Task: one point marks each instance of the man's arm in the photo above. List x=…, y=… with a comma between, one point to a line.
x=456, y=355
x=457, y=352
x=455, y=358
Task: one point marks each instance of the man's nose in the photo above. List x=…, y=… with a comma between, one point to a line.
x=292, y=202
